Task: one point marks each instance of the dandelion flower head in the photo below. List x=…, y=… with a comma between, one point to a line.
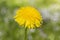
x=28, y=16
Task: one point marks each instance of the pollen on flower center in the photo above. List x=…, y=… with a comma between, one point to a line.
x=28, y=16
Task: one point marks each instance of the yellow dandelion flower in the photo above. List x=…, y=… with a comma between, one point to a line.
x=28, y=16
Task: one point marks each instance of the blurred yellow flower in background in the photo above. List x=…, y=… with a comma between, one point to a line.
x=28, y=16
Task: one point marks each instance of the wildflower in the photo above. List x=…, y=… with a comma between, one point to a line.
x=28, y=16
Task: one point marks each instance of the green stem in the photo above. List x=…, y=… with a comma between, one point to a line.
x=25, y=33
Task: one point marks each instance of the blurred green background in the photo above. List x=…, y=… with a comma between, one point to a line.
x=50, y=29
